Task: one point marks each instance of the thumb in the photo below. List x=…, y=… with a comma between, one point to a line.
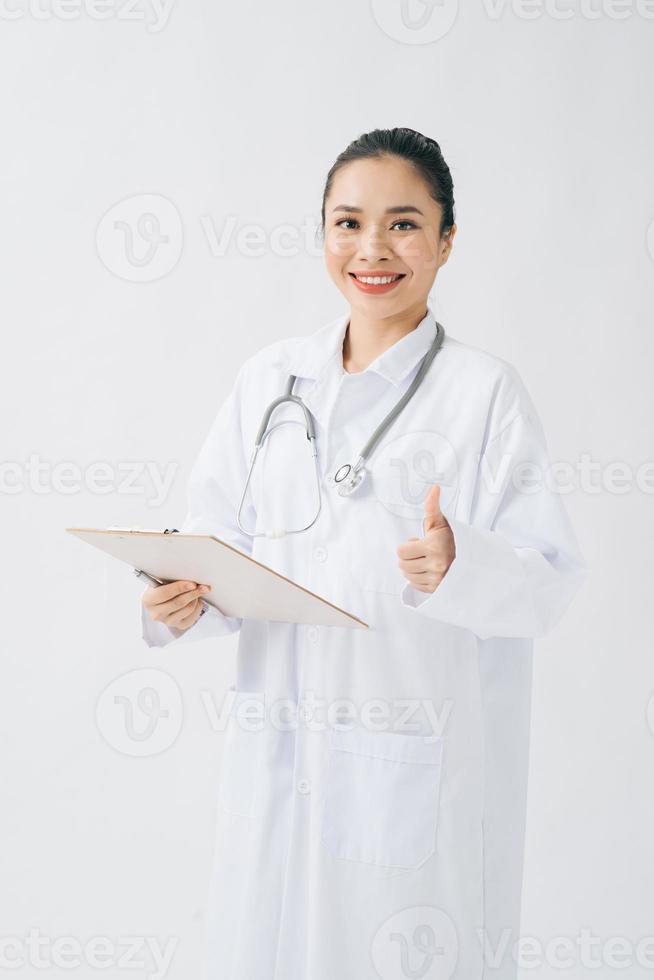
x=433, y=515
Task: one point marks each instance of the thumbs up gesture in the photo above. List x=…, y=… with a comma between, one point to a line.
x=425, y=560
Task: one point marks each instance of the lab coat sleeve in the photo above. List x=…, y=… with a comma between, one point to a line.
x=213, y=493
x=517, y=563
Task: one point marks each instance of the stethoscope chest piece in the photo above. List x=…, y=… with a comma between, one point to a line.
x=348, y=478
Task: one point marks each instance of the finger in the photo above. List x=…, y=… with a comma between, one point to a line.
x=164, y=593
x=426, y=582
x=414, y=566
x=165, y=609
x=433, y=515
x=423, y=588
x=184, y=617
x=190, y=619
x=413, y=548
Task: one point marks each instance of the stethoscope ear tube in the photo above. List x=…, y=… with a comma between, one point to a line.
x=261, y=436
x=287, y=397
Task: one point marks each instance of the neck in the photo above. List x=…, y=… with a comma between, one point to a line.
x=366, y=338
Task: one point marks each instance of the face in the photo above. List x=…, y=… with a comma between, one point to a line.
x=381, y=221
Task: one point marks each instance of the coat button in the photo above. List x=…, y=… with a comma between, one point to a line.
x=312, y=633
x=303, y=786
x=320, y=553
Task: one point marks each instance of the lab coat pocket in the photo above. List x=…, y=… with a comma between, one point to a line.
x=242, y=754
x=381, y=799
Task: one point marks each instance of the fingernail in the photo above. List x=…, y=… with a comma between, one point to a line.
x=206, y=588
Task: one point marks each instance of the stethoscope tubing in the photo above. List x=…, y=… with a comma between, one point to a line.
x=351, y=470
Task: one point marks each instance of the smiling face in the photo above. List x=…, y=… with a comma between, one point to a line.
x=381, y=222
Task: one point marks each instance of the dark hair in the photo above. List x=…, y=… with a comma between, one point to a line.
x=421, y=151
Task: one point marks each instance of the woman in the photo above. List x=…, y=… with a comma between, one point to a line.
x=372, y=796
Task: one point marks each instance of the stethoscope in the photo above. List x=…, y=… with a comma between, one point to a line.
x=348, y=477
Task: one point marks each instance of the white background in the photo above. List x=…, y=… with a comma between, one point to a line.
x=233, y=113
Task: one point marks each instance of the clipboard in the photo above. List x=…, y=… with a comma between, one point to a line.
x=240, y=586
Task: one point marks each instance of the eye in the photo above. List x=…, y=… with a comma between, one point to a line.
x=407, y=222
x=352, y=221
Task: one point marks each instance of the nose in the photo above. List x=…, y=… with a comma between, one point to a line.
x=374, y=244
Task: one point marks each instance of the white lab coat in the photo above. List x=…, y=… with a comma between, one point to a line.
x=381, y=837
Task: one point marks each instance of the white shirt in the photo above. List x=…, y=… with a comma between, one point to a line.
x=348, y=842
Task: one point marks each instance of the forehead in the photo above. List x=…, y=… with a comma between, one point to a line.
x=376, y=183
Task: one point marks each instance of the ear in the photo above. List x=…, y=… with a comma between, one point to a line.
x=447, y=243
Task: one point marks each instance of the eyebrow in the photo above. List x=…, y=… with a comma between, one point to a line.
x=398, y=209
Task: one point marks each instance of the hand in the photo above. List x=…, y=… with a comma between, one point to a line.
x=425, y=560
x=177, y=604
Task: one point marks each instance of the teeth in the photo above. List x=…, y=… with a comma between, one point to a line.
x=377, y=280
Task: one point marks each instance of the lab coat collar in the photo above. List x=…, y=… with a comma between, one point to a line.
x=314, y=354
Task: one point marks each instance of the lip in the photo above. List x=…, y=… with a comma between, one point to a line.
x=375, y=290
